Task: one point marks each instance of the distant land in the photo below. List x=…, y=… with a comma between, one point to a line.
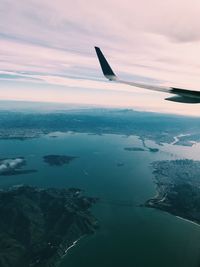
x=171, y=129
x=38, y=226
x=178, y=188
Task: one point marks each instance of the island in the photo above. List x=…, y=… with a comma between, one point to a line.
x=134, y=149
x=150, y=149
x=58, y=160
x=13, y=166
x=38, y=226
x=178, y=188
x=153, y=149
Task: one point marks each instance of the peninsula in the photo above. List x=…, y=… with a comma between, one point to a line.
x=178, y=188
x=38, y=226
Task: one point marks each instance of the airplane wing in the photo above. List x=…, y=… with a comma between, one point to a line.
x=181, y=95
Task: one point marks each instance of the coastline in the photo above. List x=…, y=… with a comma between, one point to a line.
x=177, y=189
x=187, y=220
x=73, y=245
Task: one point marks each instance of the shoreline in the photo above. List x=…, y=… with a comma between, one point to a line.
x=187, y=220
x=73, y=245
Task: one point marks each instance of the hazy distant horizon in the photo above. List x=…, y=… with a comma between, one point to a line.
x=39, y=106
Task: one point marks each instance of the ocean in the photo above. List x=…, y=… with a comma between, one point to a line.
x=129, y=235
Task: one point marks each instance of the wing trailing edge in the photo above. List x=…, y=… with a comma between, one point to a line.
x=183, y=99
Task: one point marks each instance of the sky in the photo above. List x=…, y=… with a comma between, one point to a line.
x=47, y=51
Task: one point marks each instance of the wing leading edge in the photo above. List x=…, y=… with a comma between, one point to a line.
x=181, y=95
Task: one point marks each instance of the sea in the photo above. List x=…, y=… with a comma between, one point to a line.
x=129, y=235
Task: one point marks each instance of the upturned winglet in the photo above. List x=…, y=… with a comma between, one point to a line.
x=106, y=69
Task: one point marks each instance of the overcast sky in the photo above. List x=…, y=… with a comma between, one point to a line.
x=47, y=51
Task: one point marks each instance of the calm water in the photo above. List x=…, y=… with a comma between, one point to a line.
x=128, y=236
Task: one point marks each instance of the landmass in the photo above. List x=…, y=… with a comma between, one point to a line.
x=178, y=188
x=58, y=160
x=38, y=226
x=160, y=128
x=13, y=166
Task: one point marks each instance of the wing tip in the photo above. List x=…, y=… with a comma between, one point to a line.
x=106, y=69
